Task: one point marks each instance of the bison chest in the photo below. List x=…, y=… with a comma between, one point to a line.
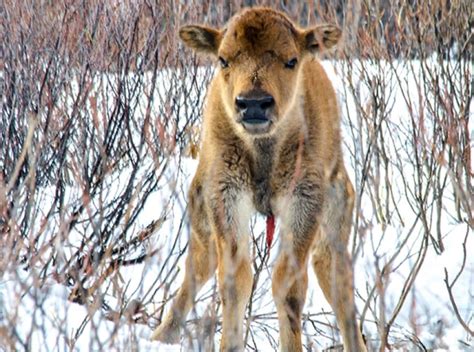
x=261, y=173
x=262, y=195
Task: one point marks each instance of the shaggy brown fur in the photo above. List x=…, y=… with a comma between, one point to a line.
x=271, y=143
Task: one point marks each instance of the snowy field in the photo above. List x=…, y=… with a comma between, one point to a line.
x=398, y=251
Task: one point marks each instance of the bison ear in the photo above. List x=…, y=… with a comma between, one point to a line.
x=201, y=39
x=321, y=37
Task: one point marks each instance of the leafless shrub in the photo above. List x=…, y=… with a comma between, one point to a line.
x=100, y=112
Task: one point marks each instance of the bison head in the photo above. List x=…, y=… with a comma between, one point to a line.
x=260, y=53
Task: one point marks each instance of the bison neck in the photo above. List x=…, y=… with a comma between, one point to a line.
x=261, y=171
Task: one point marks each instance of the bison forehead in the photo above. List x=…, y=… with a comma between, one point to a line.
x=260, y=30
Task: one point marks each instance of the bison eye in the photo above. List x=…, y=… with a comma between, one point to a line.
x=223, y=62
x=292, y=63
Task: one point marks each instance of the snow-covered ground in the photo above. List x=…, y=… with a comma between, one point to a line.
x=426, y=316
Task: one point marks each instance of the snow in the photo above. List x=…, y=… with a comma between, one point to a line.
x=427, y=304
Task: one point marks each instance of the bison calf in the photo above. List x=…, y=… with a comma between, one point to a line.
x=271, y=144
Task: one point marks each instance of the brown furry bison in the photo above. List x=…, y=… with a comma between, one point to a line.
x=271, y=144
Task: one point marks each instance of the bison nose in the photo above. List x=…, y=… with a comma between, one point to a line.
x=254, y=108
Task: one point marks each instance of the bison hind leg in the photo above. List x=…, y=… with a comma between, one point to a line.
x=169, y=331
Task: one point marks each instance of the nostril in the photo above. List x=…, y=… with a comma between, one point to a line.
x=257, y=105
x=267, y=103
x=241, y=103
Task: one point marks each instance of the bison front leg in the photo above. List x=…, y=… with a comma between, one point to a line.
x=235, y=285
x=332, y=263
x=299, y=215
x=289, y=284
x=235, y=278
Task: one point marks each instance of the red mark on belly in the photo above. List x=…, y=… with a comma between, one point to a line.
x=270, y=230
